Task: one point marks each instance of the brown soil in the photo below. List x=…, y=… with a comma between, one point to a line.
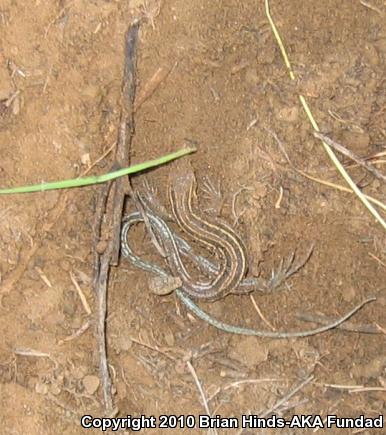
x=229, y=93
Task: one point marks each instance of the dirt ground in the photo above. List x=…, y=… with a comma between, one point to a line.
x=229, y=94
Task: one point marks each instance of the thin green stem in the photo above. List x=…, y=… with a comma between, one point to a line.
x=96, y=179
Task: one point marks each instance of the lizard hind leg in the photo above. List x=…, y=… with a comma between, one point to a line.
x=211, y=193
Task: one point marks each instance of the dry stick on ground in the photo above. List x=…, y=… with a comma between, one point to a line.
x=285, y=399
x=53, y=216
x=202, y=393
x=360, y=161
x=151, y=85
x=318, y=180
x=110, y=202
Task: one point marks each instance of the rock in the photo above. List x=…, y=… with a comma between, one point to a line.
x=91, y=384
x=41, y=388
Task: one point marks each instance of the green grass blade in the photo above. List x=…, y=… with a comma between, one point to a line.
x=96, y=179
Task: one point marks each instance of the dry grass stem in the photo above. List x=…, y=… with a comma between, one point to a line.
x=150, y=86
x=270, y=326
x=343, y=150
x=76, y=334
x=81, y=295
x=285, y=399
x=201, y=390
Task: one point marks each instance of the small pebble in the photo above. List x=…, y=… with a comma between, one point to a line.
x=91, y=384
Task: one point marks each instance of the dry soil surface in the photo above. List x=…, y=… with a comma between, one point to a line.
x=228, y=92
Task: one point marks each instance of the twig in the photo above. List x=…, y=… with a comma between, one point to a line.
x=116, y=190
x=43, y=277
x=76, y=334
x=318, y=180
x=339, y=187
x=101, y=288
x=286, y=397
x=279, y=199
x=126, y=130
x=315, y=126
x=200, y=389
x=236, y=384
x=150, y=86
x=370, y=6
x=270, y=326
x=340, y=387
x=343, y=150
x=367, y=389
x=55, y=213
x=27, y=351
x=381, y=329
x=163, y=351
x=81, y=295
x=377, y=259
x=100, y=158
x=293, y=405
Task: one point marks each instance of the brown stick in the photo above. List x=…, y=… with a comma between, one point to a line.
x=110, y=202
x=125, y=134
x=151, y=85
x=343, y=150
